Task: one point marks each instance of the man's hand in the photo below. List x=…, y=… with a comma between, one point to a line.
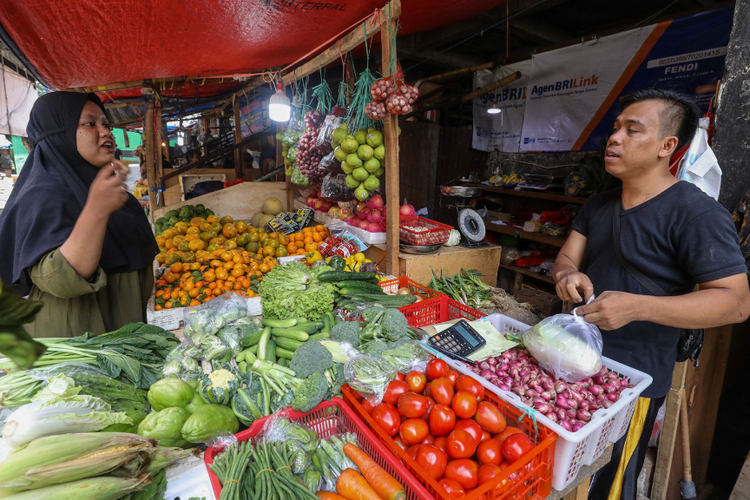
x=570, y=283
x=612, y=310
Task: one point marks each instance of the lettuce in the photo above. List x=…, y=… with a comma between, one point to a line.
x=293, y=291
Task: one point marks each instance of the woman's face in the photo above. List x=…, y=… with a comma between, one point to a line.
x=94, y=140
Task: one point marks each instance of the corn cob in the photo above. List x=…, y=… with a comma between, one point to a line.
x=95, y=488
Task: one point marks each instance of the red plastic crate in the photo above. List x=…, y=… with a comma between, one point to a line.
x=438, y=310
x=328, y=418
x=533, y=472
x=392, y=286
x=437, y=233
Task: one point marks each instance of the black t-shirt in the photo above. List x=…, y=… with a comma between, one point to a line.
x=678, y=239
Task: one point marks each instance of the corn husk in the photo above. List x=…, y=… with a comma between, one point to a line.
x=95, y=488
x=69, y=457
x=163, y=457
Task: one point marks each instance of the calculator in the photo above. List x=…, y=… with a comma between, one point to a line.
x=460, y=338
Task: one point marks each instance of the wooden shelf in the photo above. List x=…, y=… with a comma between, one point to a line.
x=540, y=195
x=515, y=231
x=526, y=272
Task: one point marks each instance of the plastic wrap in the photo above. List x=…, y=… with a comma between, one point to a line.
x=330, y=123
x=566, y=345
x=334, y=187
x=209, y=318
x=407, y=357
x=368, y=375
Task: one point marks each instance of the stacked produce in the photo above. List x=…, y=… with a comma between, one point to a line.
x=443, y=421
x=355, y=262
x=361, y=155
x=570, y=405
x=466, y=288
x=391, y=95
x=184, y=214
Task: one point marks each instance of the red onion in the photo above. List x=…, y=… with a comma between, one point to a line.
x=596, y=390
x=519, y=390
x=515, y=383
x=507, y=381
x=476, y=369
x=597, y=379
x=560, y=386
x=503, y=386
x=584, y=415
x=504, y=366
x=562, y=401
x=609, y=388
x=566, y=425
x=625, y=382
x=548, y=384
x=485, y=373
x=484, y=365
x=584, y=405
x=551, y=415
x=545, y=395
x=542, y=407
x=613, y=396
x=525, y=378
x=577, y=426
x=491, y=361
x=607, y=403
x=571, y=413
x=561, y=415
x=531, y=393
x=493, y=379
x=375, y=110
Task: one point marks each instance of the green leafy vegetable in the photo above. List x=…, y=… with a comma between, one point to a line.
x=293, y=291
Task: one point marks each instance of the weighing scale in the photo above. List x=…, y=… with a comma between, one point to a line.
x=472, y=229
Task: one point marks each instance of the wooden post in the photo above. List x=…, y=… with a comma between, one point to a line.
x=281, y=163
x=668, y=438
x=158, y=152
x=148, y=138
x=390, y=136
x=237, y=138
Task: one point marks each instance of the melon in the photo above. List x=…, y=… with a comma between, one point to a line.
x=265, y=219
x=272, y=206
x=255, y=220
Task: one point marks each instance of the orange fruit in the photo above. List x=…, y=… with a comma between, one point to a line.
x=308, y=239
x=227, y=219
x=221, y=273
x=269, y=251
x=226, y=256
x=237, y=272
x=241, y=227
x=317, y=237
x=194, y=292
x=176, y=267
x=197, y=221
x=193, y=230
x=212, y=219
x=161, y=257
x=181, y=227
x=311, y=247
x=205, y=226
x=283, y=239
x=229, y=265
x=281, y=252
x=264, y=268
x=229, y=230
x=231, y=244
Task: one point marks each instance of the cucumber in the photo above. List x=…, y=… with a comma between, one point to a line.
x=359, y=291
x=252, y=339
x=334, y=276
x=291, y=333
x=263, y=344
x=320, y=336
x=281, y=361
x=252, y=349
x=288, y=344
x=327, y=323
x=247, y=356
x=386, y=300
x=271, y=351
x=283, y=354
x=309, y=327
x=364, y=286
x=242, y=366
x=280, y=323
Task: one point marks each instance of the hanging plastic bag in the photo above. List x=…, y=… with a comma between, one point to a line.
x=334, y=187
x=567, y=346
x=699, y=165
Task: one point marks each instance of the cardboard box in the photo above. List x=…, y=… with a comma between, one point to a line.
x=547, y=303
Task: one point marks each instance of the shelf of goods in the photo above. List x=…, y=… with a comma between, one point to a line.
x=540, y=195
x=518, y=232
x=575, y=449
x=527, y=272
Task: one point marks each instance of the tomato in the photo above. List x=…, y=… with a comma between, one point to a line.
x=412, y=405
x=464, y=404
x=441, y=390
x=460, y=444
x=412, y=451
x=453, y=489
x=489, y=417
x=417, y=381
x=397, y=440
x=452, y=375
x=429, y=438
x=400, y=376
x=386, y=416
x=440, y=443
x=367, y=406
x=472, y=428
x=467, y=383
x=442, y=420
x=507, y=432
x=487, y=472
x=436, y=368
x=488, y=452
x=433, y=460
x=464, y=472
x=515, y=446
x=413, y=431
x=395, y=389
x=485, y=436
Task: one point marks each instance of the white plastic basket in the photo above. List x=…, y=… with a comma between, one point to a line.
x=574, y=449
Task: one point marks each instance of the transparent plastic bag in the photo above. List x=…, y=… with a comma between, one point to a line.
x=330, y=124
x=369, y=375
x=334, y=187
x=567, y=346
x=281, y=429
x=407, y=357
x=231, y=336
x=209, y=318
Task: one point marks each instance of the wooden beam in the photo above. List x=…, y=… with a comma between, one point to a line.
x=741, y=490
x=457, y=72
x=665, y=452
x=148, y=138
x=390, y=136
x=237, y=136
x=158, y=152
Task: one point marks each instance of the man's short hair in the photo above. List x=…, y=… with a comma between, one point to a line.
x=679, y=117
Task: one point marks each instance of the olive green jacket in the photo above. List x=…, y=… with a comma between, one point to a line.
x=73, y=306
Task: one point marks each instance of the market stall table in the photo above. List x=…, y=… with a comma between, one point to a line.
x=451, y=260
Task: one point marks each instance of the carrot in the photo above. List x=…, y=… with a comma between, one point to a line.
x=382, y=482
x=327, y=495
x=352, y=486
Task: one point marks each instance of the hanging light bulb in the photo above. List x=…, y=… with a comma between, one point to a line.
x=279, y=108
x=494, y=109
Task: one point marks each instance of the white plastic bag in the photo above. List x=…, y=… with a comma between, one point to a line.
x=699, y=166
x=567, y=346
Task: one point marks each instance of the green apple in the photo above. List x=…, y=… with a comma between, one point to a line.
x=351, y=182
x=360, y=174
x=348, y=169
x=361, y=136
x=365, y=152
x=340, y=154
x=361, y=193
x=379, y=172
x=372, y=165
x=371, y=183
x=349, y=144
x=379, y=152
x=353, y=160
x=375, y=138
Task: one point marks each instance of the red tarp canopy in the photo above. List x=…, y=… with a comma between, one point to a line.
x=83, y=43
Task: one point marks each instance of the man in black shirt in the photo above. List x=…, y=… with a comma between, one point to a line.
x=671, y=232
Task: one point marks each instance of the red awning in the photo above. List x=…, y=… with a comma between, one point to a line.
x=85, y=43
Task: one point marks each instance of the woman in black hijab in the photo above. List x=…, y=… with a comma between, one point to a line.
x=71, y=234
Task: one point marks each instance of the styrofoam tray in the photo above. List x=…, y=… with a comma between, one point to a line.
x=574, y=449
x=188, y=479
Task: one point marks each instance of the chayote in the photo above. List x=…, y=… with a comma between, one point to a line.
x=209, y=421
x=165, y=426
x=196, y=403
x=169, y=392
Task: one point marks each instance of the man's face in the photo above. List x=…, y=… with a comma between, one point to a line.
x=94, y=140
x=636, y=145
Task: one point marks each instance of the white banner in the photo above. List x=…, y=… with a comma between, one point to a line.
x=501, y=131
x=567, y=88
x=17, y=96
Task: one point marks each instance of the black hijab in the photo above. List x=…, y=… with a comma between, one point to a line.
x=50, y=193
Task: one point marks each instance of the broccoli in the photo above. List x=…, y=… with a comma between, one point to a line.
x=347, y=331
x=375, y=348
x=393, y=325
x=371, y=313
x=310, y=393
x=337, y=378
x=311, y=357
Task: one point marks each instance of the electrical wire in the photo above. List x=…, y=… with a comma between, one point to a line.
x=653, y=16
x=478, y=33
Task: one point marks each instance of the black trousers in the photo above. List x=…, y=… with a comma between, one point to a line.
x=602, y=481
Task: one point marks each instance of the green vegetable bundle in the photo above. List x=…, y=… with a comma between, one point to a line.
x=294, y=291
x=14, y=341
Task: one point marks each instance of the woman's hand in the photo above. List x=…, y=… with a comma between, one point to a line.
x=108, y=193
